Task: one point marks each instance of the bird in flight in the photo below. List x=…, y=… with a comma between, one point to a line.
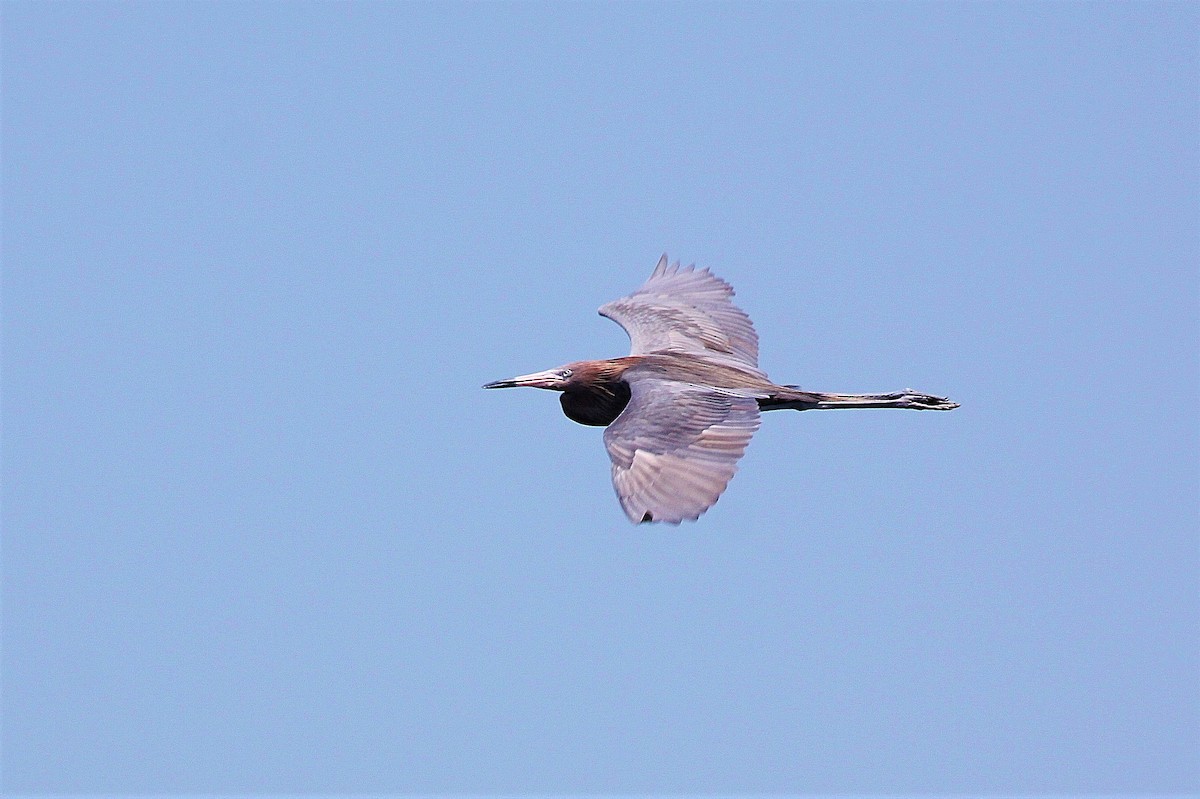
x=679, y=410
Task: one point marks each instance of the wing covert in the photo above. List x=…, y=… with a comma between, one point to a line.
x=675, y=447
x=685, y=310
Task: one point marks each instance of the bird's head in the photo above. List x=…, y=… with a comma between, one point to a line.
x=553, y=379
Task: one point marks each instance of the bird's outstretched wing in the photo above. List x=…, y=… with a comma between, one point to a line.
x=684, y=310
x=675, y=447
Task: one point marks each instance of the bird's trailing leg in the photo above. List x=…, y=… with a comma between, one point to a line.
x=820, y=401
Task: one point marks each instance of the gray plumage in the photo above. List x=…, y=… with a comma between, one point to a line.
x=682, y=407
x=684, y=310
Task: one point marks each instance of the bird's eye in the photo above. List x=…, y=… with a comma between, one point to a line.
x=566, y=373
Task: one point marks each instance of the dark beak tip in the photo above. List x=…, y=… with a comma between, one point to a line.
x=498, y=384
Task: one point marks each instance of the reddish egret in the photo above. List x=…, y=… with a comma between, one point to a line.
x=680, y=409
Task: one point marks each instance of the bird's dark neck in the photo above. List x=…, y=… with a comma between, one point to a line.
x=596, y=403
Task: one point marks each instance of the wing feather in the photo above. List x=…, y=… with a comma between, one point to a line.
x=685, y=310
x=675, y=447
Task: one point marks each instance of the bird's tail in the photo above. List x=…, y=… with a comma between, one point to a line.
x=795, y=398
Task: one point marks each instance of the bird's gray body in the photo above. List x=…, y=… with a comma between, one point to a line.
x=681, y=408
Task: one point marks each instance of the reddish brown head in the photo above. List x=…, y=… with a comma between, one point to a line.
x=577, y=375
x=593, y=391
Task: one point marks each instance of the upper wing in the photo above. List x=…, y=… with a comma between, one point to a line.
x=682, y=310
x=675, y=447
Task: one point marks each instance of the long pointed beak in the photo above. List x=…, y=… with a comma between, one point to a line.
x=545, y=379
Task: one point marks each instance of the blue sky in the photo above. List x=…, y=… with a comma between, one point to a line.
x=262, y=532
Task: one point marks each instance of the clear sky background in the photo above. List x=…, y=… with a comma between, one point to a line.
x=262, y=530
